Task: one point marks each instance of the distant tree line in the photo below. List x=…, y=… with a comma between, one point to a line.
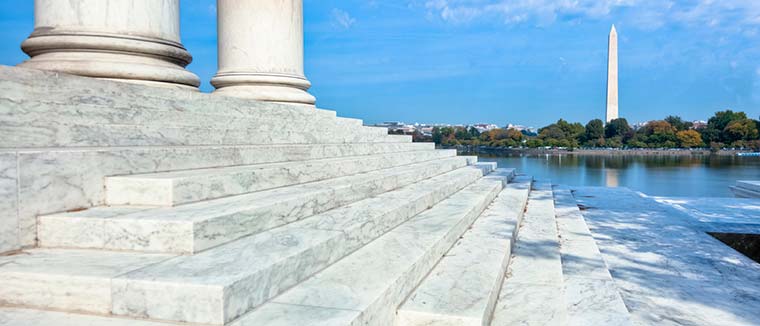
x=724, y=129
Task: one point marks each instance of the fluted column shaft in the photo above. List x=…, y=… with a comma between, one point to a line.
x=261, y=51
x=129, y=40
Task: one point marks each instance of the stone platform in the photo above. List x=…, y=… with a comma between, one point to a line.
x=125, y=204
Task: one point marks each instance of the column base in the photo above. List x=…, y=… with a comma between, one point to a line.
x=124, y=58
x=288, y=89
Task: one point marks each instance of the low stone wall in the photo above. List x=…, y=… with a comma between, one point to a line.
x=504, y=151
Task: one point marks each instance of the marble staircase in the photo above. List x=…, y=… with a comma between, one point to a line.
x=188, y=186
x=221, y=285
x=63, y=137
x=367, y=286
x=463, y=287
x=135, y=205
x=199, y=226
x=557, y=275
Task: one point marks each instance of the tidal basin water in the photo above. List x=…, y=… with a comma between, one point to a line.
x=674, y=176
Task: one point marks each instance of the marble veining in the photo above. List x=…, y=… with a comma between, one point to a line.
x=463, y=287
x=21, y=84
x=9, y=220
x=219, y=221
x=172, y=188
x=376, y=278
x=61, y=180
x=14, y=134
x=20, y=317
x=66, y=280
x=254, y=268
x=88, y=113
x=530, y=304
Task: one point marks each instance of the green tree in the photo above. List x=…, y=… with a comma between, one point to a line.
x=678, y=123
x=594, y=133
x=437, y=135
x=534, y=143
x=710, y=134
x=618, y=128
x=515, y=135
x=562, y=134
x=474, y=133
x=716, y=126
x=637, y=143
x=552, y=131
x=722, y=118
x=743, y=129
x=657, y=134
x=462, y=134
x=615, y=142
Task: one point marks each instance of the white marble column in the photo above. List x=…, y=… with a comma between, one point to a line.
x=261, y=51
x=129, y=40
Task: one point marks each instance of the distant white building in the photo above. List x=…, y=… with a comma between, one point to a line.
x=397, y=126
x=697, y=124
x=484, y=127
x=519, y=127
x=639, y=125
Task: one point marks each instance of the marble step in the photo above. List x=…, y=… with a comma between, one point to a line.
x=532, y=292
x=64, y=179
x=462, y=289
x=66, y=280
x=195, y=227
x=259, y=267
x=219, y=284
x=29, y=317
x=57, y=88
x=36, y=135
x=67, y=107
x=590, y=292
x=85, y=113
x=366, y=287
x=52, y=117
x=77, y=100
x=181, y=187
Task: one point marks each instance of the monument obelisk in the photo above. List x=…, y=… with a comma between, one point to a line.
x=612, y=77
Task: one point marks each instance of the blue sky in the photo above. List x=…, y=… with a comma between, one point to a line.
x=501, y=61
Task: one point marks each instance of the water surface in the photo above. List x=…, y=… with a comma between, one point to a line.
x=675, y=176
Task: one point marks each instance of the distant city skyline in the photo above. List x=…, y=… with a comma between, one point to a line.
x=499, y=61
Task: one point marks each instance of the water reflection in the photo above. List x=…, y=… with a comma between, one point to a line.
x=611, y=178
x=703, y=176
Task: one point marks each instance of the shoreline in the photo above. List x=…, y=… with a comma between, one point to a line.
x=500, y=151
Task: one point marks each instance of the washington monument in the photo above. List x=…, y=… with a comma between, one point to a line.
x=612, y=77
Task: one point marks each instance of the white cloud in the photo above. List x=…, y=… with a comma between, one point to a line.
x=650, y=13
x=342, y=18
x=517, y=11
